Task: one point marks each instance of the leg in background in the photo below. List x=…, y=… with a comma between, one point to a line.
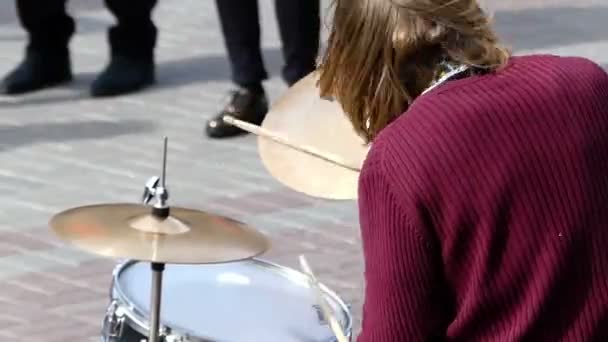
x=132, y=41
x=299, y=26
x=47, y=61
x=241, y=29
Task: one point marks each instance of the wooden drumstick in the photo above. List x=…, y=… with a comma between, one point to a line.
x=325, y=309
x=265, y=133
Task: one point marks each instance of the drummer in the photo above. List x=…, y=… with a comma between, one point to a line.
x=484, y=198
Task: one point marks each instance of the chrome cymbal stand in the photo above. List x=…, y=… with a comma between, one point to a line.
x=156, y=189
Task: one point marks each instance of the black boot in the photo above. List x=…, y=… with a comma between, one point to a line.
x=245, y=104
x=124, y=75
x=39, y=69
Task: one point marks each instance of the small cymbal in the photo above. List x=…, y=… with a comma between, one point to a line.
x=130, y=231
x=304, y=118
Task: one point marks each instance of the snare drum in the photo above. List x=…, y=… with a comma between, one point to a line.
x=242, y=301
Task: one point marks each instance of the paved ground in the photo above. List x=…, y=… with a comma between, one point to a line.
x=59, y=149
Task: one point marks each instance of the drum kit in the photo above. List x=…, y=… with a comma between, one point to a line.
x=204, y=269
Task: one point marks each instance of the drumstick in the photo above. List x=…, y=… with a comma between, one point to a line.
x=327, y=312
x=265, y=133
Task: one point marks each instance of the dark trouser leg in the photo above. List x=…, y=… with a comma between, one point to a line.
x=132, y=41
x=46, y=22
x=299, y=25
x=46, y=61
x=241, y=28
x=134, y=35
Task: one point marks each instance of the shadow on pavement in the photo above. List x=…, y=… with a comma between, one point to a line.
x=209, y=68
x=79, y=87
x=15, y=136
x=169, y=74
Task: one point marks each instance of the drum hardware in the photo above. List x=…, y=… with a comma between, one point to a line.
x=150, y=189
x=161, y=211
x=112, y=327
x=157, y=284
x=322, y=303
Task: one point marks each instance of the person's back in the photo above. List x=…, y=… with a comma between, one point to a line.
x=504, y=179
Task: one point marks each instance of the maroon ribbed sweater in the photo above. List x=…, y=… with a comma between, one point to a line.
x=484, y=210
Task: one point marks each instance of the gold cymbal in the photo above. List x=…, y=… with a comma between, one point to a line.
x=130, y=231
x=303, y=118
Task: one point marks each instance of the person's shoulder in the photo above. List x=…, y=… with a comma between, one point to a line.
x=574, y=65
x=381, y=150
x=392, y=150
x=586, y=68
x=557, y=60
x=521, y=73
x=556, y=75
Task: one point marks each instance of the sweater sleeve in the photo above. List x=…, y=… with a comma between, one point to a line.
x=403, y=294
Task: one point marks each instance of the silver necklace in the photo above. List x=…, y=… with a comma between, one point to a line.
x=451, y=71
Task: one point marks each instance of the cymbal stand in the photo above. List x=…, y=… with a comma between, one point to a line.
x=156, y=189
x=155, y=298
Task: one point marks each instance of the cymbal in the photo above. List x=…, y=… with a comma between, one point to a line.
x=306, y=119
x=130, y=231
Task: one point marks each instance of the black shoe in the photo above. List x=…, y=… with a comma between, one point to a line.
x=123, y=75
x=38, y=70
x=247, y=105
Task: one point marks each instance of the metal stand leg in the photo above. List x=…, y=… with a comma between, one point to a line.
x=155, y=300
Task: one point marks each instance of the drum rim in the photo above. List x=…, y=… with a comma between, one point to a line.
x=134, y=314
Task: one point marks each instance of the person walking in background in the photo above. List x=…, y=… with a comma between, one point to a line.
x=299, y=26
x=47, y=58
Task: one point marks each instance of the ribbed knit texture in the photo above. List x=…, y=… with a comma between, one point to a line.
x=484, y=210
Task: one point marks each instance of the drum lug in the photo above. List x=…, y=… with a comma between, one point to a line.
x=113, y=323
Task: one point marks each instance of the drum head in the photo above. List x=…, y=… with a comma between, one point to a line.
x=241, y=301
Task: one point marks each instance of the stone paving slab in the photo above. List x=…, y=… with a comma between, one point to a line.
x=60, y=149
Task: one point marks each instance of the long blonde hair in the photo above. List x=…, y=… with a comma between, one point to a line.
x=382, y=54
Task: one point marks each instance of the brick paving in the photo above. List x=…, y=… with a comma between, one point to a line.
x=60, y=149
